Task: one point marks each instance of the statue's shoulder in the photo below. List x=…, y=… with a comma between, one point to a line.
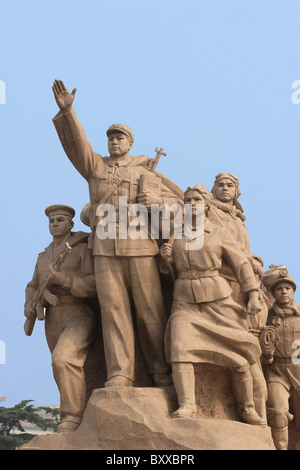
x=140, y=160
x=104, y=159
x=79, y=238
x=43, y=256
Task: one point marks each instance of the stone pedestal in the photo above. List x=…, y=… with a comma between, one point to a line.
x=140, y=419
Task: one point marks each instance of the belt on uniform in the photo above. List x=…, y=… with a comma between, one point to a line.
x=283, y=360
x=195, y=274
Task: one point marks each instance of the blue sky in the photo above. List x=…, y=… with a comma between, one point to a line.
x=210, y=82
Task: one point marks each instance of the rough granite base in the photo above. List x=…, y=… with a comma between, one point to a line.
x=139, y=418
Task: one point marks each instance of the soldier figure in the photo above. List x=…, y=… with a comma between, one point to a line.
x=280, y=355
x=227, y=212
x=126, y=271
x=206, y=324
x=70, y=325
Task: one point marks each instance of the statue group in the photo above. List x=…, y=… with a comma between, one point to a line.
x=169, y=273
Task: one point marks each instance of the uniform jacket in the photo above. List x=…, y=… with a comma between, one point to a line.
x=78, y=266
x=285, y=368
x=206, y=263
x=102, y=172
x=288, y=328
x=228, y=217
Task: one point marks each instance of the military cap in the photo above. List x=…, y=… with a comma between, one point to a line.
x=60, y=209
x=232, y=178
x=275, y=275
x=123, y=129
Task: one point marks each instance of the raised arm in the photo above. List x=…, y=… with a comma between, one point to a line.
x=71, y=132
x=63, y=98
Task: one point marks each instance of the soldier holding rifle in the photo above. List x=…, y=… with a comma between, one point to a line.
x=70, y=320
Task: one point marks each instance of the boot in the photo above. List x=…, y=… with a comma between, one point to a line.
x=260, y=407
x=162, y=380
x=242, y=385
x=278, y=420
x=184, y=383
x=69, y=423
x=119, y=381
x=280, y=438
x=260, y=393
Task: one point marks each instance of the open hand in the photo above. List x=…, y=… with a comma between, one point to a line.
x=253, y=306
x=63, y=98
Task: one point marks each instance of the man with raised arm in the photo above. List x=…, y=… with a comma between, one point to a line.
x=127, y=276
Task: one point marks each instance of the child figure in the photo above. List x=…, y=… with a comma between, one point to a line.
x=279, y=342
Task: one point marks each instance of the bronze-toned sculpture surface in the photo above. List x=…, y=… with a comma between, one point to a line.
x=125, y=268
x=71, y=312
x=160, y=321
x=206, y=324
x=280, y=348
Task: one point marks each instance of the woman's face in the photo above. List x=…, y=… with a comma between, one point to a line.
x=193, y=197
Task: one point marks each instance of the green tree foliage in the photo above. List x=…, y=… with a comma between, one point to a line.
x=13, y=418
x=53, y=412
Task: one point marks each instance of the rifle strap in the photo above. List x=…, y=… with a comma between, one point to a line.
x=109, y=192
x=114, y=186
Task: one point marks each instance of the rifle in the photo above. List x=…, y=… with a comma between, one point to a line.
x=43, y=296
x=153, y=162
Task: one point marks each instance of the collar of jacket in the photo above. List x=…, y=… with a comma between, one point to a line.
x=132, y=160
x=290, y=310
x=208, y=226
x=230, y=209
x=111, y=162
x=74, y=239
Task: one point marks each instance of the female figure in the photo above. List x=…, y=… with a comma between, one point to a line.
x=206, y=325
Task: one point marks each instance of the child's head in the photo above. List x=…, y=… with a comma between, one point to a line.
x=280, y=284
x=283, y=293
